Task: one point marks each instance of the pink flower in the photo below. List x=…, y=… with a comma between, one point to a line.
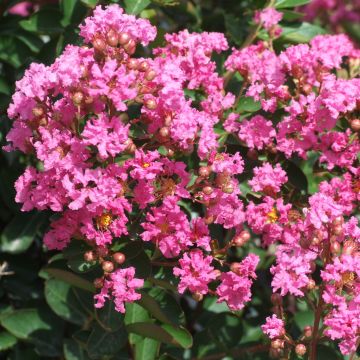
x=268, y=178
x=235, y=289
x=195, y=272
x=121, y=287
x=108, y=135
x=226, y=163
x=274, y=327
x=168, y=227
x=268, y=17
x=256, y=132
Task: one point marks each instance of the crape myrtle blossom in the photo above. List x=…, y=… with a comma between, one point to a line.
x=155, y=150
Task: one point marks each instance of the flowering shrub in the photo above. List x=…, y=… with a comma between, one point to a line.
x=168, y=169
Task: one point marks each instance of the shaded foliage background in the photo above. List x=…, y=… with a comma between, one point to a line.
x=46, y=307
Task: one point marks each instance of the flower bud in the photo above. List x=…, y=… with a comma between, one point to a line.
x=252, y=154
x=300, y=349
x=124, y=38
x=335, y=247
x=107, y=266
x=209, y=219
x=132, y=64
x=38, y=111
x=277, y=344
x=77, y=98
x=150, y=104
x=168, y=120
x=307, y=331
x=228, y=188
x=119, y=258
x=112, y=38
x=339, y=220
x=207, y=190
x=130, y=47
x=307, y=89
x=349, y=247
x=164, y=131
x=99, y=44
x=150, y=75
x=197, y=296
x=144, y=66
x=89, y=256
x=204, y=171
x=99, y=283
x=217, y=273
x=311, y=285
x=355, y=125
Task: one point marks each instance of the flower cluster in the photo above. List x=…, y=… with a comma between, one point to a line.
x=128, y=148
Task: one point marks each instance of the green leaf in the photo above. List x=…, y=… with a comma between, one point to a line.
x=167, y=334
x=292, y=15
x=248, y=104
x=296, y=176
x=13, y=51
x=146, y=349
x=301, y=34
x=136, y=6
x=74, y=253
x=109, y=318
x=135, y=313
x=73, y=12
x=4, y=87
x=233, y=25
x=69, y=278
x=38, y=326
x=304, y=318
x=142, y=265
x=102, y=343
x=19, y=234
x=33, y=42
x=90, y=3
x=280, y=4
x=62, y=300
x=162, y=305
x=73, y=351
x=7, y=340
x=45, y=21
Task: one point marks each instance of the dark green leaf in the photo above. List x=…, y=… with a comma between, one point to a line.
x=38, y=326
x=301, y=34
x=7, y=340
x=142, y=265
x=20, y=232
x=102, y=343
x=90, y=3
x=62, y=300
x=248, y=105
x=234, y=28
x=146, y=349
x=13, y=51
x=296, y=176
x=69, y=278
x=73, y=12
x=73, y=351
x=136, y=6
x=46, y=21
x=167, y=334
x=280, y=4
x=109, y=318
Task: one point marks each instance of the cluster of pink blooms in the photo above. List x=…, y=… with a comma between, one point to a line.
x=110, y=136
x=337, y=12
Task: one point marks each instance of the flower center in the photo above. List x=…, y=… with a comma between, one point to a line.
x=272, y=216
x=103, y=221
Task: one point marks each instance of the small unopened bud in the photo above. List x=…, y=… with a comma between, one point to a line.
x=307, y=331
x=209, y=219
x=207, y=190
x=315, y=241
x=164, y=131
x=99, y=44
x=307, y=89
x=170, y=152
x=335, y=247
x=271, y=148
x=38, y=111
x=119, y=258
x=124, y=38
x=107, y=266
x=274, y=353
x=144, y=66
x=132, y=64
x=338, y=230
x=112, y=38
x=339, y=220
x=349, y=247
x=311, y=284
x=77, y=98
x=197, y=296
x=150, y=104
x=167, y=120
x=99, y=283
x=130, y=47
x=355, y=125
x=300, y=349
x=150, y=75
x=89, y=256
x=277, y=344
x=204, y=171
x=228, y=188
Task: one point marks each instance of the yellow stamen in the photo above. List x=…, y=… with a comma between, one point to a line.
x=103, y=221
x=163, y=227
x=348, y=277
x=272, y=216
x=145, y=165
